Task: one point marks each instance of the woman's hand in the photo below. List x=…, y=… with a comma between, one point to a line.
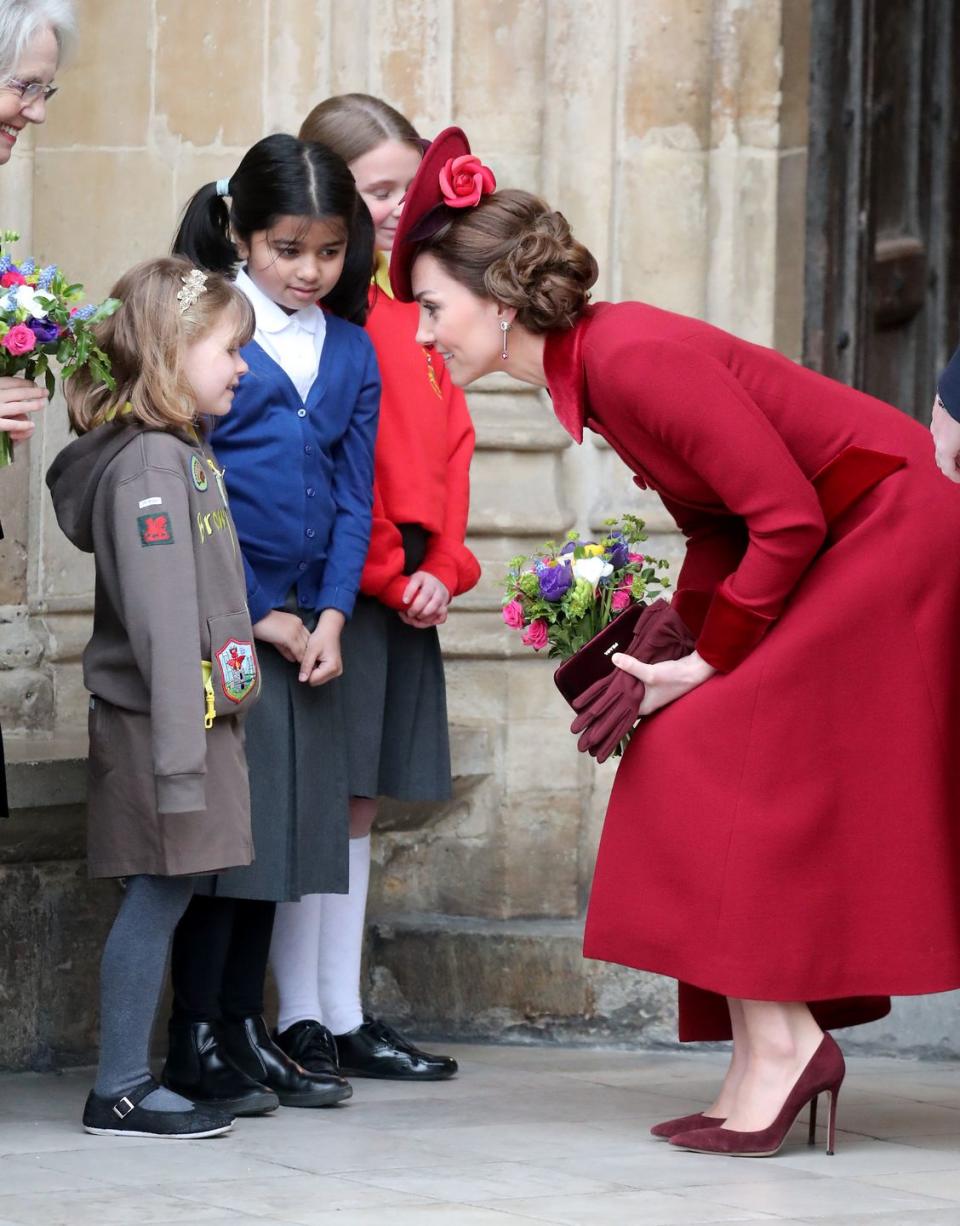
x=285, y=631
x=665, y=682
x=946, y=441
x=18, y=399
x=425, y=597
x=321, y=660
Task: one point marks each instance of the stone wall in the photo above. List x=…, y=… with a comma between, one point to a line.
x=671, y=133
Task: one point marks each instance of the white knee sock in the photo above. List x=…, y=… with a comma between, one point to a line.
x=341, y=945
x=293, y=957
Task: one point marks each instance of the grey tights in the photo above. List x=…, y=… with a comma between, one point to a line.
x=131, y=980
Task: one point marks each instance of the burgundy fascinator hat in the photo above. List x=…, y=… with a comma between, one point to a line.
x=450, y=178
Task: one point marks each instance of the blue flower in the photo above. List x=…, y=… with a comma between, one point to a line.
x=5, y=264
x=46, y=276
x=618, y=553
x=28, y=266
x=85, y=312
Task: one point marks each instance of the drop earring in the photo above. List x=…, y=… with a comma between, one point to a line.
x=504, y=328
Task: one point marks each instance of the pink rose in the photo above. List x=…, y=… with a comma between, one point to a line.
x=535, y=635
x=12, y=277
x=621, y=599
x=512, y=614
x=464, y=180
x=636, y=557
x=19, y=340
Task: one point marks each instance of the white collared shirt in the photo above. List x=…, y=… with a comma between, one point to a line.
x=295, y=341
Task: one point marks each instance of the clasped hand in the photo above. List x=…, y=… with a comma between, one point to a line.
x=665, y=682
x=318, y=654
x=426, y=600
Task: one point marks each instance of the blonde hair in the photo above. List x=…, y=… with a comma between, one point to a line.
x=144, y=341
x=515, y=249
x=353, y=124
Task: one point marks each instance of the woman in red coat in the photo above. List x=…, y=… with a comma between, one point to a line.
x=804, y=862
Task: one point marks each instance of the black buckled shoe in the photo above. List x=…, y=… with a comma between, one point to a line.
x=198, y=1068
x=249, y=1046
x=124, y=1117
x=377, y=1050
x=312, y=1046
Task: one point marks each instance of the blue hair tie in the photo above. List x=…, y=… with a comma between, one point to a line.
x=223, y=187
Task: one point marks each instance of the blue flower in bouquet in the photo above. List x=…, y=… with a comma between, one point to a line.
x=45, y=279
x=83, y=313
x=555, y=580
x=28, y=266
x=5, y=264
x=45, y=330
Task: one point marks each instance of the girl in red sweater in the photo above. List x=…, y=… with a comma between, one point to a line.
x=393, y=679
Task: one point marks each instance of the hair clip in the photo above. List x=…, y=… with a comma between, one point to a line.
x=194, y=284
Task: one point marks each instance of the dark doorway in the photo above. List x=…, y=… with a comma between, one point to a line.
x=883, y=195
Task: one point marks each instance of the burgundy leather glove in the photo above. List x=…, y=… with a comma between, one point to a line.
x=608, y=709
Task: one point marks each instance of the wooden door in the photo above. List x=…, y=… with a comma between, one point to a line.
x=883, y=195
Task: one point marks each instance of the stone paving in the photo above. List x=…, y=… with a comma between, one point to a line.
x=523, y=1135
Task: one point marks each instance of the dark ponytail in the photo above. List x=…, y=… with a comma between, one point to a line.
x=283, y=177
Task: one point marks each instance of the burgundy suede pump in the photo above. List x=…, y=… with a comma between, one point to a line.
x=824, y=1072
x=686, y=1123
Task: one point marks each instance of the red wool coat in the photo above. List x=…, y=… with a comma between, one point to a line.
x=422, y=462
x=804, y=842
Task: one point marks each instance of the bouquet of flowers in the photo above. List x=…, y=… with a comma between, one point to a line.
x=563, y=596
x=41, y=319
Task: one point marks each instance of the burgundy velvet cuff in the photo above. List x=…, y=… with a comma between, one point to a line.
x=730, y=632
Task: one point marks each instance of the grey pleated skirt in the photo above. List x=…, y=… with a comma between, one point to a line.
x=395, y=701
x=299, y=791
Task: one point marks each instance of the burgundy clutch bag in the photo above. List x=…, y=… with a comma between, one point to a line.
x=592, y=662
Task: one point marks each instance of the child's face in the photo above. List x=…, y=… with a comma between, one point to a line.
x=383, y=176
x=213, y=367
x=297, y=261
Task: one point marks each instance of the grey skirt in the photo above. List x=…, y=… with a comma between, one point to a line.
x=299, y=795
x=395, y=700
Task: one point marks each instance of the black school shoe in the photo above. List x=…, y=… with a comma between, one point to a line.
x=124, y=1117
x=250, y=1048
x=375, y=1049
x=197, y=1067
x=311, y=1045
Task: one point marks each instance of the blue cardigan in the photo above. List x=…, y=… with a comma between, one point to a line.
x=949, y=386
x=300, y=476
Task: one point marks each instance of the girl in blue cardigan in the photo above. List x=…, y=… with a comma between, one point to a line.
x=297, y=460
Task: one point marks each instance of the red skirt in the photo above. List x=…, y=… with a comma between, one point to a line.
x=788, y=831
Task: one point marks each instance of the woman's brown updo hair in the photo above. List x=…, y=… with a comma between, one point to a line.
x=514, y=249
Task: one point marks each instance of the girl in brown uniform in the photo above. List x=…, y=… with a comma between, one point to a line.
x=171, y=665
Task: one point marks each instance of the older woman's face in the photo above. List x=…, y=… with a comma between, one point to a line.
x=37, y=64
x=464, y=329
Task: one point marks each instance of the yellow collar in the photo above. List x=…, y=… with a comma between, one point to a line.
x=381, y=274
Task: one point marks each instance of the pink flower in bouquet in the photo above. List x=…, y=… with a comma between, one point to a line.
x=535, y=635
x=636, y=557
x=512, y=614
x=621, y=599
x=12, y=277
x=19, y=340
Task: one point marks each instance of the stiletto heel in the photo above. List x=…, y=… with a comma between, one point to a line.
x=824, y=1072
x=832, y=1126
x=812, y=1135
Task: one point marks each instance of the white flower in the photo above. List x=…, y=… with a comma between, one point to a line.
x=592, y=569
x=26, y=298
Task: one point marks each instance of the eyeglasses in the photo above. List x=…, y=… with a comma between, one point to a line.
x=31, y=91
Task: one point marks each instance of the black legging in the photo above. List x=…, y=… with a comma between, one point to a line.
x=219, y=960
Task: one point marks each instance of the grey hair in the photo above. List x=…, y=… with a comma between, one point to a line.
x=20, y=20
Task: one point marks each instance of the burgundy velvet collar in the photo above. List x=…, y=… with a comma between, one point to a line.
x=566, y=378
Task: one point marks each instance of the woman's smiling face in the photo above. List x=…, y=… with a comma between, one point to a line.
x=37, y=65
x=464, y=329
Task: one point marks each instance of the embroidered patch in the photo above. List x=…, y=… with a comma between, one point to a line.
x=238, y=669
x=198, y=473
x=155, y=529
x=150, y=502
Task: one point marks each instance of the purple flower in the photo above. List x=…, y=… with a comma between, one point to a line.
x=45, y=330
x=618, y=554
x=554, y=581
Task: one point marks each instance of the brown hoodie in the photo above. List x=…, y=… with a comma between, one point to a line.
x=170, y=590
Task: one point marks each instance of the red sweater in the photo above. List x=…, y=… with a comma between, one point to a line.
x=422, y=462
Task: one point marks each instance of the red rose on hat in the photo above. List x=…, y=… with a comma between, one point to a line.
x=463, y=180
